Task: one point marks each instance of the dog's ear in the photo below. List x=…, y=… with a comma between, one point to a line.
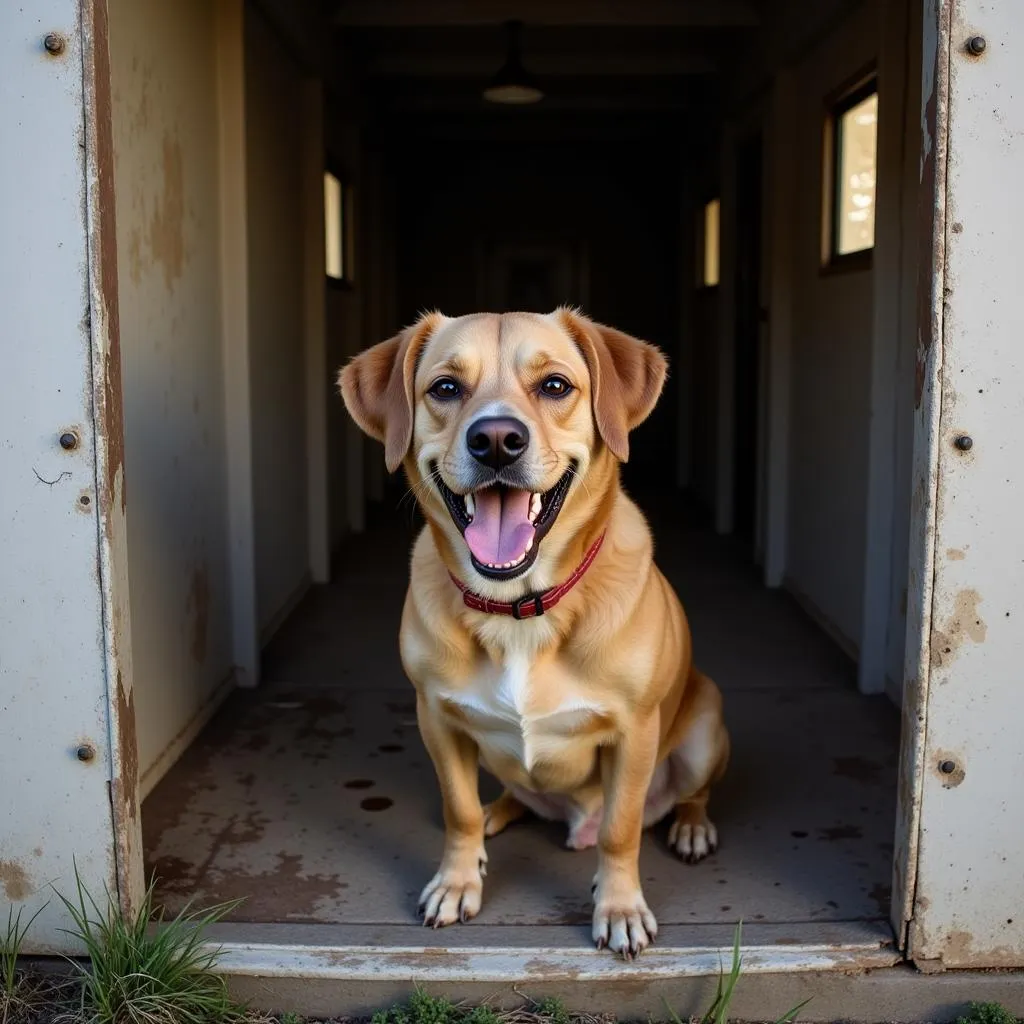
x=626, y=377
x=377, y=386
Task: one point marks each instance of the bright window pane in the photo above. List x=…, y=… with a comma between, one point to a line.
x=711, y=218
x=334, y=227
x=858, y=147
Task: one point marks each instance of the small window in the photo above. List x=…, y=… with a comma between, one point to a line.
x=337, y=229
x=851, y=144
x=709, y=275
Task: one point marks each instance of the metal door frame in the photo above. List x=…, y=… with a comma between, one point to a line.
x=957, y=884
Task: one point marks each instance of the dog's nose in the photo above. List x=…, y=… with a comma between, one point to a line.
x=497, y=441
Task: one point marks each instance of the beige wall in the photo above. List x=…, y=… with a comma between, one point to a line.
x=830, y=364
x=164, y=67
x=274, y=181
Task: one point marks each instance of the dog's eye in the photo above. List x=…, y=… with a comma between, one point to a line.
x=555, y=387
x=445, y=389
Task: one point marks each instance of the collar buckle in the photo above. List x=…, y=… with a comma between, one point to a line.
x=520, y=608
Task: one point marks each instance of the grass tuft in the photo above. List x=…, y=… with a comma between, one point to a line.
x=987, y=1013
x=142, y=975
x=15, y=989
x=718, y=1011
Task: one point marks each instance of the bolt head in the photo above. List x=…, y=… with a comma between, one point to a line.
x=964, y=442
x=976, y=46
x=53, y=43
x=68, y=440
x=947, y=767
x=85, y=753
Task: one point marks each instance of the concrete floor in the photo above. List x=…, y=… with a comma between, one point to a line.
x=313, y=799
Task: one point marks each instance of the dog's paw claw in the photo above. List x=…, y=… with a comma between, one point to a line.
x=624, y=924
x=453, y=894
x=693, y=842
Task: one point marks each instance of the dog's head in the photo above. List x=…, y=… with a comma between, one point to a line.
x=510, y=426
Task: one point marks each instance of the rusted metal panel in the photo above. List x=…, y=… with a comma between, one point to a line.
x=968, y=760
x=108, y=424
x=65, y=734
x=931, y=249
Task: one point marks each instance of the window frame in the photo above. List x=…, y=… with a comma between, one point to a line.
x=347, y=279
x=839, y=103
x=702, y=247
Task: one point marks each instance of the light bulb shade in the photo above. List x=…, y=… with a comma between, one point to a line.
x=512, y=84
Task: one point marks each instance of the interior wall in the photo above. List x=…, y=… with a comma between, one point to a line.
x=346, y=445
x=274, y=182
x=457, y=204
x=905, y=350
x=165, y=126
x=831, y=363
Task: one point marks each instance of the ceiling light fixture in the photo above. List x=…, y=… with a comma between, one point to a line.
x=512, y=84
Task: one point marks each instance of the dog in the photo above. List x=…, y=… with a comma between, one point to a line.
x=541, y=639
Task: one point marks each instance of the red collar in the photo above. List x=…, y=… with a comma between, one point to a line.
x=532, y=604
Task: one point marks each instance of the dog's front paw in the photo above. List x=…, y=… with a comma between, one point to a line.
x=622, y=920
x=455, y=892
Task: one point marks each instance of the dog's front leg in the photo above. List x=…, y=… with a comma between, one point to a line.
x=622, y=919
x=454, y=893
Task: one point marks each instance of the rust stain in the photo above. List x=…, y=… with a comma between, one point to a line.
x=15, y=881
x=167, y=222
x=37, y=852
x=859, y=769
x=965, y=623
x=951, y=779
x=198, y=607
x=540, y=966
x=128, y=747
x=425, y=957
x=955, y=554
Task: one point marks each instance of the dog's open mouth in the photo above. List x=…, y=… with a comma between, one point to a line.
x=503, y=526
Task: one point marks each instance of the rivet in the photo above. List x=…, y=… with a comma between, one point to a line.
x=947, y=767
x=964, y=442
x=976, y=45
x=86, y=752
x=84, y=499
x=53, y=43
x=69, y=440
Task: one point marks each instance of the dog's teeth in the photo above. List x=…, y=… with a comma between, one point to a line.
x=535, y=507
x=529, y=544
x=470, y=505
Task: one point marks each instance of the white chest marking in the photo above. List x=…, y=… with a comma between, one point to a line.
x=497, y=706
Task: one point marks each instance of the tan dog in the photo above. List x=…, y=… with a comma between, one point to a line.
x=542, y=640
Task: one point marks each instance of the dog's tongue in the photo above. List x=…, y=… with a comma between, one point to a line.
x=500, y=530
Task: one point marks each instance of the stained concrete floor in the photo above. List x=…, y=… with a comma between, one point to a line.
x=312, y=797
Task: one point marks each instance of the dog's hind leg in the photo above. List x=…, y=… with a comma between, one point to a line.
x=698, y=760
x=502, y=813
